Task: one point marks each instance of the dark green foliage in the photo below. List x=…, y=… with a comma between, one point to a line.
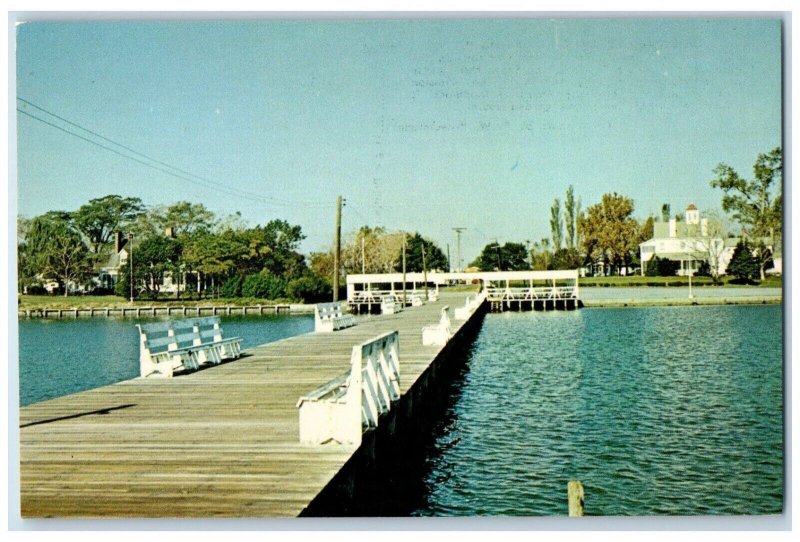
x=309, y=289
x=434, y=257
x=509, y=257
x=101, y=217
x=661, y=267
x=233, y=287
x=263, y=285
x=743, y=265
x=567, y=258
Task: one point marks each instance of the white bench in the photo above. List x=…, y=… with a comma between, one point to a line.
x=439, y=333
x=343, y=408
x=470, y=305
x=390, y=305
x=183, y=345
x=328, y=317
x=417, y=299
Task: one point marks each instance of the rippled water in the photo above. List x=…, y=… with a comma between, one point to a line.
x=674, y=410
x=59, y=357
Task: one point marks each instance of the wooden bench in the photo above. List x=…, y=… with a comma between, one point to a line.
x=328, y=317
x=356, y=400
x=439, y=333
x=183, y=345
x=390, y=305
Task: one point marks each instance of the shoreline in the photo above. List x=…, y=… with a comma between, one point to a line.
x=619, y=303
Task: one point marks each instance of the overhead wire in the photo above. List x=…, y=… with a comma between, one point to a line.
x=156, y=164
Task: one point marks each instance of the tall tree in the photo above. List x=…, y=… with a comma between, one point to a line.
x=609, y=230
x=556, y=224
x=54, y=249
x=508, y=257
x=154, y=258
x=101, y=217
x=757, y=204
x=570, y=217
x=434, y=257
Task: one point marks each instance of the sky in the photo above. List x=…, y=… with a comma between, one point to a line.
x=421, y=125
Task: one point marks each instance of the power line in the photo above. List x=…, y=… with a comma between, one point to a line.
x=182, y=174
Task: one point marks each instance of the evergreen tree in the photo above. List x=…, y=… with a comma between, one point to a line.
x=743, y=265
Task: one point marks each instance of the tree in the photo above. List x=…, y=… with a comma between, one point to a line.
x=283, y=240
x=566, y=258
x=710, y=241
x=154, y=257
x=370, y=250
x=101, y=217
x=213, y=256
x=434, y=257
x=556, y=225
x=570, y=217
x=753, y=204
x=665, y=212
x=509, y=257
x=54, y=249
x=743, y=265
x=609, y=230
x=541, y=256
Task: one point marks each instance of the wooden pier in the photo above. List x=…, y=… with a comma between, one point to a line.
x=222, y=442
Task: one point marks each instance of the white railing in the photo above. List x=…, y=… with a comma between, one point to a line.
x=344, y=407
x=329, y=317
x=531, y=294
x=439, y=333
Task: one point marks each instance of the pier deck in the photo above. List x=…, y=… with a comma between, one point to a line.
x=222, y=442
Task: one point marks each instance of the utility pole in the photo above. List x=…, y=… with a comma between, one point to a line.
x=338, y=248
x=449, y=265
x=130, y=261
x=458, y=248
x=424, y=271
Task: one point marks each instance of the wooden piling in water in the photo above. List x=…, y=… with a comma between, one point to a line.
x=575, y=498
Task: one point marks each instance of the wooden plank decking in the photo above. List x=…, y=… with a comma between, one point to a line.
x=222, y=442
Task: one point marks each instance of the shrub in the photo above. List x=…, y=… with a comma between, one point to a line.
x=263, y=286
x=661, y=267
x=233, y=287
x=309, y=289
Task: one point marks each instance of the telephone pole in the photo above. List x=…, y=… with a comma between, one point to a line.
x=338, y=248
x=458, y=248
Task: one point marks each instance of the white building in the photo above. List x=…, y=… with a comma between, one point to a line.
x=692, y=242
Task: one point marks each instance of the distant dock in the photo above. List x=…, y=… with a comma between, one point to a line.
x=154, y=311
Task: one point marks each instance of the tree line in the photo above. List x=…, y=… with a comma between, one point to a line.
x=606, y=236
x=207, y=255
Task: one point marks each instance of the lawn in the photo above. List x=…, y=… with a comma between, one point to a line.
x=769, y=282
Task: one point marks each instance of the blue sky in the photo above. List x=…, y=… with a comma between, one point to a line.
x=422, y=125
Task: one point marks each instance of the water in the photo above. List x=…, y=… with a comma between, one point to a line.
x=668, y=410
x=674, y=410
x=59, y=357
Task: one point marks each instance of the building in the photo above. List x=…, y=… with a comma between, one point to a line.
x=692, y=242
x=108, y=273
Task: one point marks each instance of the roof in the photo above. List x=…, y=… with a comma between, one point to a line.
x=691, y=207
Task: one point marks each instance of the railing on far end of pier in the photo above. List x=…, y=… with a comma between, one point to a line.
x=344, y=407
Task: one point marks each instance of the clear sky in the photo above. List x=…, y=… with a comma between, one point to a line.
x=422, y=125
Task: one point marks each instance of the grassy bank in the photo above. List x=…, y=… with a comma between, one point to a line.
x=636, y=281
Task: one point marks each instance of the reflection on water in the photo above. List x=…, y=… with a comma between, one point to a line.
x=674, y=410
x=59, y=357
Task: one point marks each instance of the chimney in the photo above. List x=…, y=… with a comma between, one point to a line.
x=170, y=232
x=117, y=242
